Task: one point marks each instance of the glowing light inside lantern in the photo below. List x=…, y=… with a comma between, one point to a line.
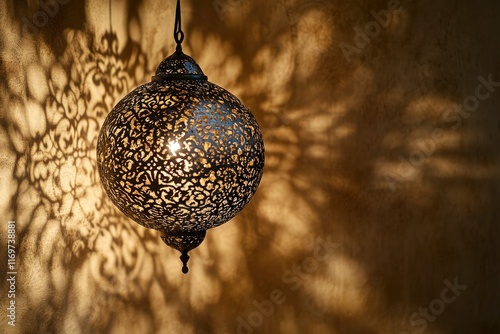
x=174, y=146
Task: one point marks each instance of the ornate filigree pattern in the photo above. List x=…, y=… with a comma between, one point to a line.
x=184, y=242
x=179, y=63
x=180, y=155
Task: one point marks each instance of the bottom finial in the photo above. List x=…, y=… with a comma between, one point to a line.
x=184, y=258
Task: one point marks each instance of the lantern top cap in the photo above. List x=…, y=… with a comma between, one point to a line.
x=179, y=65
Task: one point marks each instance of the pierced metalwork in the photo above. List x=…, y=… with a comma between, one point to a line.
x=180, y=154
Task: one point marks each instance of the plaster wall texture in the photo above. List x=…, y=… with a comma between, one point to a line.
x=378, y=210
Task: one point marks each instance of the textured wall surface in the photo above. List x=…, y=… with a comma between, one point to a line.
x=376, y=213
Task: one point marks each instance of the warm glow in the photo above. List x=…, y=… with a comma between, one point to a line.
x=174, y=146
x=350, y=153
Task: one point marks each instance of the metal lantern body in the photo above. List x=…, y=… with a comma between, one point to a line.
x=180, y=154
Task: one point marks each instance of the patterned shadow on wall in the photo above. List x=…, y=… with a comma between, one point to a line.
x=71, y=241
x=331, y=130
x=84, y=266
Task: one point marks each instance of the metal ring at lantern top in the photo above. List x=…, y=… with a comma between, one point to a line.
x=166, y=77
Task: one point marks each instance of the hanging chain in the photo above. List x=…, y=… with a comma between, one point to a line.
x=178, y=33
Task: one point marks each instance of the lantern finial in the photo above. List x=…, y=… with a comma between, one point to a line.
x=184, y=258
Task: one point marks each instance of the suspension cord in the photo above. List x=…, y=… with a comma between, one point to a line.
x=178, y=33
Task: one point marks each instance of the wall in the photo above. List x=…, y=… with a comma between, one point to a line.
x=378, y=209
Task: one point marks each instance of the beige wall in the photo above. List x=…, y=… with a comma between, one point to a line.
x=375, y=156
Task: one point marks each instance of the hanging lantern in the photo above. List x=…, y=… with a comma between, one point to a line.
x=180, y=154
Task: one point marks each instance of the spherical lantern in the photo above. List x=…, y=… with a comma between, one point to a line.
x=180, y=154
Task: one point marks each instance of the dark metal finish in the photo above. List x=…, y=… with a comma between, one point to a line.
x=180, y=154
x=165, y=77
x=178, y=33
x=184, y=258
x=178, y=63
x=184, y=242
